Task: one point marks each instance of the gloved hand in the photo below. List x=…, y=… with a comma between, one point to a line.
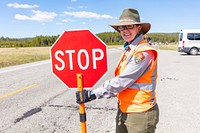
x=84, y=96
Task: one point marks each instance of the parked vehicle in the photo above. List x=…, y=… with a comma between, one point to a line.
x=189, y=41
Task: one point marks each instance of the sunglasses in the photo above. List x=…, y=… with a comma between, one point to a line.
x=128, y=27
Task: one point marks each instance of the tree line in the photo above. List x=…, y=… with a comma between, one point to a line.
x=109, y=38
x=38, y=41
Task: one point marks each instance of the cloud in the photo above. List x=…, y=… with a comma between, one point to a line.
x=69, y=7
x=67, y=20
x=38, y=16
x=85, y=14
x=81, y=7
x=58, y=23
x=16, y=5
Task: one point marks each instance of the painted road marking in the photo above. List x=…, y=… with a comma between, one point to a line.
x=16, y=91
x=23, y=66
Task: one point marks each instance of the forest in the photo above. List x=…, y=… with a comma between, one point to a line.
x=109, y=38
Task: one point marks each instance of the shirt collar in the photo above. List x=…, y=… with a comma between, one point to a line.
x=134, y=42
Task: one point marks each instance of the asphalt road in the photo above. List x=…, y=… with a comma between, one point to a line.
x=32, y=100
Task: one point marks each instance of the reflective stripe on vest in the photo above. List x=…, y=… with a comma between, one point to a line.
x=141, y=95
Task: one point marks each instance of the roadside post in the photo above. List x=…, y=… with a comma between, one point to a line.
x=79, y=60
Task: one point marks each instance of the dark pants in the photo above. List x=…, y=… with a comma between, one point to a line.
x=144, y=122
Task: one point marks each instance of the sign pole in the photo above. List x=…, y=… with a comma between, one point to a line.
x=81, y=106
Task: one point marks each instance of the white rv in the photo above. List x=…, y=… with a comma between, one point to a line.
x=189, y=41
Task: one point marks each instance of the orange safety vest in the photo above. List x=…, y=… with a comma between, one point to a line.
x=141, y=95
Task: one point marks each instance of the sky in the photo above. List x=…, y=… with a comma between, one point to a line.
x=30, y=18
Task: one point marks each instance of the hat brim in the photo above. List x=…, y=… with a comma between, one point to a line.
x=145, y=26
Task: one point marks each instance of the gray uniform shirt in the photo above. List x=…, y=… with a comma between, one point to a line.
x=129, y=75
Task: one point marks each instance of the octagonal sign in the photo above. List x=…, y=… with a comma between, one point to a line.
x=79, y=52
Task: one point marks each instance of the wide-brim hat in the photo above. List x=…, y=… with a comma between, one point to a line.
x=131, y=16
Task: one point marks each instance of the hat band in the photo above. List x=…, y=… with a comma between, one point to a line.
x=127, y=20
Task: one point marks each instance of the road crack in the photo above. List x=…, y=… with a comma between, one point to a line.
x=28, y=114
x=73, y=107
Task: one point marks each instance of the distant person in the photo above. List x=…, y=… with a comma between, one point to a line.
x=135, y=78
x=148, y=39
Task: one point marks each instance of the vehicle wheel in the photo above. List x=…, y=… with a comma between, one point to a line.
x=194, y=51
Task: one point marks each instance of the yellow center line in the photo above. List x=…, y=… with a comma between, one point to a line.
x=16, y=91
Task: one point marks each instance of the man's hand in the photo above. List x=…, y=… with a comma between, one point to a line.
x=84, y=96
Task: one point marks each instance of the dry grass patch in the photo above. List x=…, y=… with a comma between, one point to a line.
x=15, y=56
x=168, y=47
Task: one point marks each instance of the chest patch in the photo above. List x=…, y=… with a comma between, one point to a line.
x=139, y=57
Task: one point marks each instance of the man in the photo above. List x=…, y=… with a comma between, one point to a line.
x=135, y=78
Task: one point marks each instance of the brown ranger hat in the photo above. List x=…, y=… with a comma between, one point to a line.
x=131, y=16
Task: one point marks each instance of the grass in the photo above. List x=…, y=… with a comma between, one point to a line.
x=16, y=56
x=168, y=47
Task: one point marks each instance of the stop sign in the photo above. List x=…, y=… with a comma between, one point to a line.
x=79, y=52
